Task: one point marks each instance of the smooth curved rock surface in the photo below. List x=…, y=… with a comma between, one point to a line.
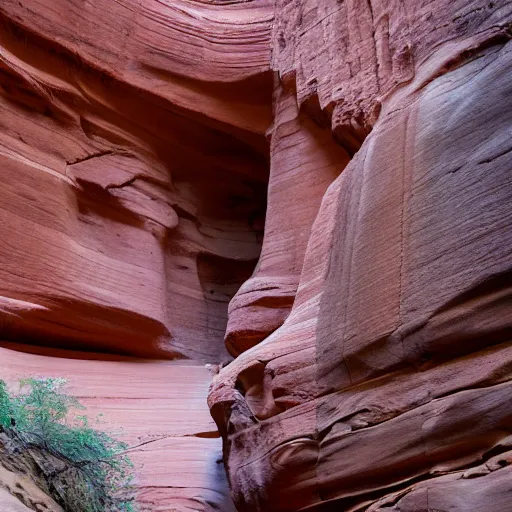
x=157, y=407
x=369, y=288
x=388, y=385
x=134, y=168
x=305, y=160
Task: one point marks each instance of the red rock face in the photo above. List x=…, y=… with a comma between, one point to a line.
x=157, y=407
x=388, y=385
x=134, y=170
x=338, y=172
x=304, y=162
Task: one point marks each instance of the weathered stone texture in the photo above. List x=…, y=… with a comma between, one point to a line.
x=134, y=176
x=338, y=172
x=388, y=385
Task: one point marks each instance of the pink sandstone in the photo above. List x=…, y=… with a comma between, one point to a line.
x=388, y=385
x=157, y=407
x=320, y=189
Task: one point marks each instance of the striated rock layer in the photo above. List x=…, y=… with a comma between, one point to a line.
x=304, y=162
x=388, y=385
x=338, y=172
x=157, y=407
x=134, y=166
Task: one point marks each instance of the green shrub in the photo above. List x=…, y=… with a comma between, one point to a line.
x=5, y=406
x=85, y=469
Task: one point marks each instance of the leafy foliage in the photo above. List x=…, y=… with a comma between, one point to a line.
x=89, y=470
x=5, y=406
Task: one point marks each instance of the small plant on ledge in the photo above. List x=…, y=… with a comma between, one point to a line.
x=83, y=469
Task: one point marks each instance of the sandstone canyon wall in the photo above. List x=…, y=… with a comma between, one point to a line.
x=156, y=407
x=388, y=385
x=136, y=189
x=320, y=189
x=134, y=167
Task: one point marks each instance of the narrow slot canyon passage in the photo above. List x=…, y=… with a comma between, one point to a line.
x=266, y=243
x=140, y=224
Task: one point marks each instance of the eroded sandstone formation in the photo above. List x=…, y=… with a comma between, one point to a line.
x=304, y=162
x=134, y=167
x=338, y=172
x=388, y=385
x=156, y=407
x=134, y=175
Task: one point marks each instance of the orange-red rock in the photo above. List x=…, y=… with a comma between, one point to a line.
x=158, y=408
x=305, y=160
x=134, y=169
x=388, y=385
x=134, y=175
x=369, y=289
